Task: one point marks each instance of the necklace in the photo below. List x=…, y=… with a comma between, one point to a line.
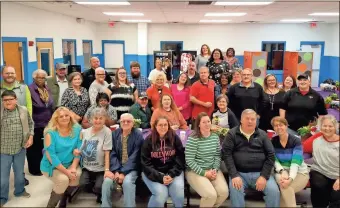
x=271, y=97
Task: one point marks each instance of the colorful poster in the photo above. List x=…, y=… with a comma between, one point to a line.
x=186, y=58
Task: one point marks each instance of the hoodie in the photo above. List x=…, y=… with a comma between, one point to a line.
x=162, y=159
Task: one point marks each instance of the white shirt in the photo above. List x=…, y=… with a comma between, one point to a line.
x=63, y=85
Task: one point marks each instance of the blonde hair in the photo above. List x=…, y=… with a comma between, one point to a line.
x=329, y=117
x=53, y=124
x=162, y=75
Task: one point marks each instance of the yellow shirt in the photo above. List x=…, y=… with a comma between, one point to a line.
x=245, y=134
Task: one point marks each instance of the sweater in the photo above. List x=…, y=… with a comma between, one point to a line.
x=243, y=155
x=174, y=117
x=203, y=153
x=290, y=157
x=162, y=159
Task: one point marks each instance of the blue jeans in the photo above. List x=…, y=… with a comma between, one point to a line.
x=271, y=191
x=129, y=189
x=161, y=192
x=18, y=162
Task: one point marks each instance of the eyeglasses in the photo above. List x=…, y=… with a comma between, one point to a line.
x=122, y=73
x=8, y=100
x=126, y=121
x=247, y=75
x=9, y=73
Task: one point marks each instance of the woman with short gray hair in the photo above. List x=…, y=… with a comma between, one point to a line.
x=42, y=109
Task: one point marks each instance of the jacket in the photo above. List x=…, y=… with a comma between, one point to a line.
x=144, y=116
x=134, y=144
x=89, y=77
x=52, y=83
x=241, y=155
x=162, y=159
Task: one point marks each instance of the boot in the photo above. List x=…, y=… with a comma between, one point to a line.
x=63, y=200
x=54, y=199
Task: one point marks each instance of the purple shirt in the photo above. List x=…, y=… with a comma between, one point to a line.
x=41, y=112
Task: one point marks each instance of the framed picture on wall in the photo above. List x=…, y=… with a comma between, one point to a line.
x=186, y=58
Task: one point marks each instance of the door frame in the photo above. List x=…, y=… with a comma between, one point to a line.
x=75, y=48
x=113, y=42
x=24, y=53
x=322, y=43
x=52, y=70
x=89, y=41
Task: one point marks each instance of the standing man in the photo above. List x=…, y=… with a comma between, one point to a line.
x=89, y=75
x=141, y=82
x=202, y=94
x=245, y=95
x=155, y=72
x=249, y=157
x=192, y=73
x=58, y=84
x=16, y=135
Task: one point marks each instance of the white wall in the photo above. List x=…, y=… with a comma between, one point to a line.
x=335, y=40
x=239, y=36
x=23, y=21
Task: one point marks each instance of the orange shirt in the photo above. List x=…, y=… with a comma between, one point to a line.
x=204, y=93
x=174, y=118
x=155, y=96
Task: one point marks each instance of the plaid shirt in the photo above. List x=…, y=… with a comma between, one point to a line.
x=142, y=83
x=11, y=132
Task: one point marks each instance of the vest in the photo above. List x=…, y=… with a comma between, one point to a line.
x=20, y=91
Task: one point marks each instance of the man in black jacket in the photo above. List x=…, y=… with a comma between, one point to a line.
x=89, y=75
x=249, y=157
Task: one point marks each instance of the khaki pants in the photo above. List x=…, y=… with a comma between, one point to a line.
x=61, y=181
x=288, y=194
x=213, y=193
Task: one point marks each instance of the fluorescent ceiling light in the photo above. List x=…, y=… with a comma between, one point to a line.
x=235, y=14
x=296, y=20
x=120, y=3
x=135, y=20
x=325, y=14
x=250, y=3
x=123, y=13
x=214, y=21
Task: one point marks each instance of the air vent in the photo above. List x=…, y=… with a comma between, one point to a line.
x=252, y=21
x=200, y=2
x=174, y=22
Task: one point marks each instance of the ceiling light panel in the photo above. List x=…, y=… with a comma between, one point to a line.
x=325, y=14
x=135, y=20
x=250, y=3
x=235, y=14
x=119, y=3
x=296, y=20
x=214, y=21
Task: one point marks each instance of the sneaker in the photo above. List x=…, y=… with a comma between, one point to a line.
x=25, y=195
x=26, y=182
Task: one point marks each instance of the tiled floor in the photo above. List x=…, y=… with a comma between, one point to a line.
x=40, y=188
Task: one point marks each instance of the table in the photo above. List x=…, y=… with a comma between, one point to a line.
x=324, y=94
x=147, y=132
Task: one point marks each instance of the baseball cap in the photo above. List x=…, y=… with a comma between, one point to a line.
x=303, y=76
x=60, y=66
x=142, y=95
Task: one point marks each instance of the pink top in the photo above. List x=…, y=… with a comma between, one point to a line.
x=182, y=99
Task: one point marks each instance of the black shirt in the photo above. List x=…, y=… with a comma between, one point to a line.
x=89, y=77
x=302, y=109
x=270, y=108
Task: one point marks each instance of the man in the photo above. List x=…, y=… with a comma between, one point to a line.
x=142, y=111
x=16, y=135
x=192, y=74
x=154, y=73
x=22, y=91
x=202, y=94
x=245, y=95
x=98, y=85
x=249, y=157
x=141, y=82
x=124, y=162
x=89, y=75
x=58, y=84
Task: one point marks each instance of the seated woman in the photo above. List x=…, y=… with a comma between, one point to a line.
x=223, y=117
x=62, y=137
x=291, y=171
x=102, y=101
x=203, y=158
x=169, y=110
x=156, y=90
x=163, y=165
x=325, y=171
x=97, y=141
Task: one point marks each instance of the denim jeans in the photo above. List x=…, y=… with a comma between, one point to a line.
x=129, y=189
x=18, y=162
x=271, y=191
x=161, y=192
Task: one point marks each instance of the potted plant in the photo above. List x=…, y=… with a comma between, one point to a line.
x=337, y=84
x=334, y=96
x=304, y=132
x=137, y=123
x=328, y=102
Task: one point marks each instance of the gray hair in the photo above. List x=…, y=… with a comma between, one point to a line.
x=328, y=117
x=247, y=69
x=159, y=75
x=204, y=67
x=98, y=112
x=99, y=69
x=39, y=71
x=126, y=115
x=248, y=111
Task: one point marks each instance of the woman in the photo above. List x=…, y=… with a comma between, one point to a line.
x=272, y=101
x=289, y=83
x=231, y=59
x=168, y=71
x=217, y=66
x=223, y=117
x=123, y=94
x=62, y=137
x=325, y=174
x=96, y=138
x=76, y=97
x=203, y=157
x=181, y=95
x=168, y=109
x=223, y=88
x=98, y=85
x=156, y=90
x=203, y=57
x=163, y=165
x=291, y=171
x=236, y=77
x=42, y=109
x=302, y=105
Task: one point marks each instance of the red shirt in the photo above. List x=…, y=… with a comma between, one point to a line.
x=204, y=93
x=155, y=96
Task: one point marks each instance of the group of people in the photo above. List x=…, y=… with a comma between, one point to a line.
x=63, y=122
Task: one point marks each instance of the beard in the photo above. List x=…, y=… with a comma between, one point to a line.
x=135, y=75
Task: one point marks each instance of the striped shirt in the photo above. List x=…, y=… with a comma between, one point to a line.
x=203, y=154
